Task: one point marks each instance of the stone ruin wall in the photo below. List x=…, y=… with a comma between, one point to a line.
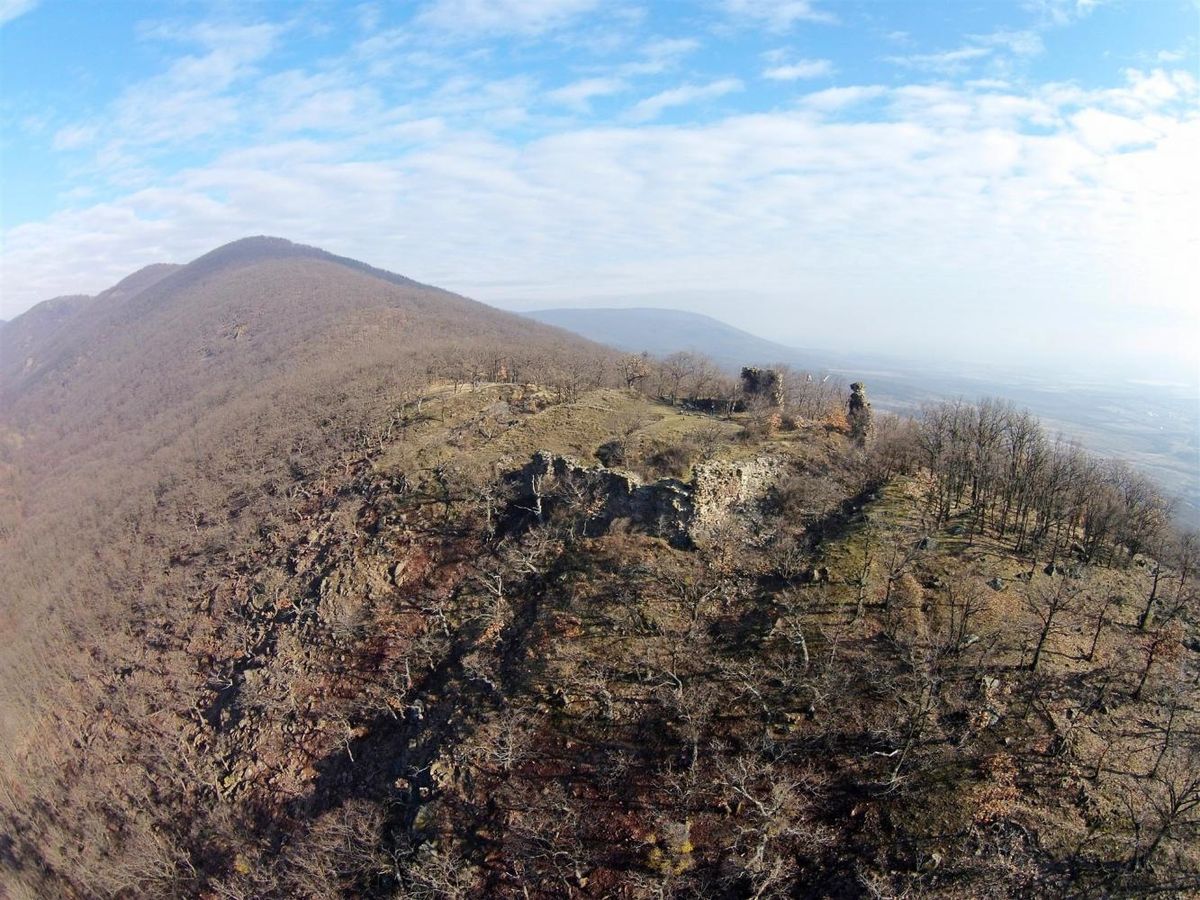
x=685, y=514
x=720, y=489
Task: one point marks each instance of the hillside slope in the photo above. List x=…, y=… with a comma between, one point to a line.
x=257, y=306
x=250, y=337
x=319, y=583
x=468, y=660
x=188, y=396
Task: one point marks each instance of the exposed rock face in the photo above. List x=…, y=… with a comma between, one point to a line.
x=858, y=412
x=685, y=514
x=764, y=386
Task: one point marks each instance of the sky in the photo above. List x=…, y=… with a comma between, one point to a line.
x=1001, y=182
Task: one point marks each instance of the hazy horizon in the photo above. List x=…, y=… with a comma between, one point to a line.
x=736, y=313
x=1011, y=183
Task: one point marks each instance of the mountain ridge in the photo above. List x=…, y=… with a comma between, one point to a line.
x=167, y=310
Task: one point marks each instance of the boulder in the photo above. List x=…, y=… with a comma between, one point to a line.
x=817, y=575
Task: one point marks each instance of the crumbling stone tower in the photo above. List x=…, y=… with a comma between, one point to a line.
x=858, y=413
x=763, y=387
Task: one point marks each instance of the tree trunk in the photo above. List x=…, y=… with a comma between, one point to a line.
x=1148, y=613
x=1037, y=651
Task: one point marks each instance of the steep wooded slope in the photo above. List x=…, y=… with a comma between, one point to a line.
x=171, y=337
x=248, y=338
x=445, y=667
x=186, y=399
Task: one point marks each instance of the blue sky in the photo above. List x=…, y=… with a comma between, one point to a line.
x=994, y=181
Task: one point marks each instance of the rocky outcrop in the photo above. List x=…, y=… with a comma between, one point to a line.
x=686, y=514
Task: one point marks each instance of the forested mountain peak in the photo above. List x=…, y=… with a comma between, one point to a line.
x=168, y=336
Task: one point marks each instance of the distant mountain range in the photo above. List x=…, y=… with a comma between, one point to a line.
x=664, y=331
x=895, y=384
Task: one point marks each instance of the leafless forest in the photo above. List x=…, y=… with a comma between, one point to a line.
x=292, y=611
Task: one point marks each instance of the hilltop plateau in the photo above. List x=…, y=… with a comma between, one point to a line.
x=1153, y=424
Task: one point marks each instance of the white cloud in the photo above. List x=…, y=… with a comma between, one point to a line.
x=1019, y=43
x=804, y=68
x=653, y=107
x=1062, y=12
x=946, y=62
x=999, y=48
x=502, y=16
x=579, y=94
x=369, y=17
x=11, y=9
x=661, y=55
x=837, y=98
x=670, y=48
x=493, y=103
x=74, y=137
x=1152, y=89
x=779, y=15
x=192, y=97
x=336, y=109
x=1107, y=132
